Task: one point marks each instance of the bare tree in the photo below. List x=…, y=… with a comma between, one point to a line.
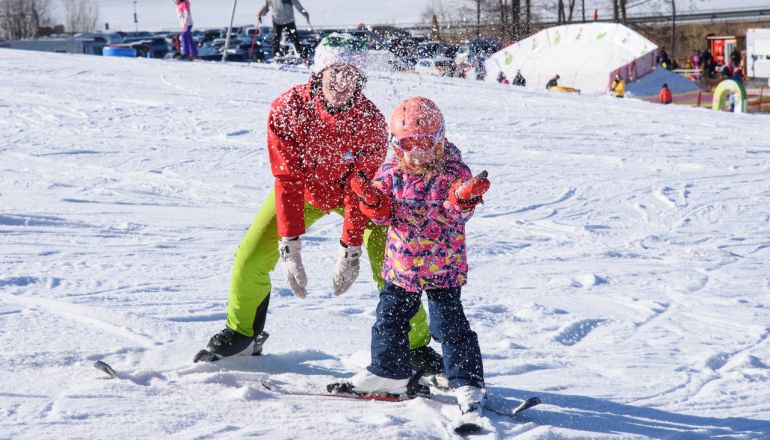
x=528, y=21
x=673, y=29
x=571, y=10
x=623, y=15
x=23, y=18
x=80, y=15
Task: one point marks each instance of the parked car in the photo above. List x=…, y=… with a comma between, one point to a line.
x=158, y=47
x=207, y=36
x=238, y=52
x=442, y=66
x=405, y=51
x=430, y=49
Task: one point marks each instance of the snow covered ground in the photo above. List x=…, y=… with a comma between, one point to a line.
x=620, y=268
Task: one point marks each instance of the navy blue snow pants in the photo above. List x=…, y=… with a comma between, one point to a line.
x=448, y=326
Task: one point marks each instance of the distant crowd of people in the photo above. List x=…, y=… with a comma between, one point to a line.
x=705, y=64
x=518, y=80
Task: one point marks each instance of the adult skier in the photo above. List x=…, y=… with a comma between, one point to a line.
x=283, y=19
x=319, y=135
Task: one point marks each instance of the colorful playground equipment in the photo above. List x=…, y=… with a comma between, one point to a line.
x=731, y=93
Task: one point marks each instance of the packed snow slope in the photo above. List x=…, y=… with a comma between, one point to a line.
x=620, y=267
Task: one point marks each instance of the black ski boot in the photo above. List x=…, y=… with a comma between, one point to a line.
x=259, y=341
x=431, y=364
x=425, y=358
x=229, y=342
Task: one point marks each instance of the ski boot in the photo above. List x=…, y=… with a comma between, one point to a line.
x=229, y=342
x=470, y=399
x=431, y=363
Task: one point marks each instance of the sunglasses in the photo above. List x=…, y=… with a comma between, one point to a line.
x=355, y=44
x=396, y=141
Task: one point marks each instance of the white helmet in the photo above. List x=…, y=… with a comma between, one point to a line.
x=339, y=48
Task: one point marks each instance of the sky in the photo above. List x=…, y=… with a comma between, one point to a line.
x=160, y=14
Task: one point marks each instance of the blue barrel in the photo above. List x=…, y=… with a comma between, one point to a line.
x=119, y=51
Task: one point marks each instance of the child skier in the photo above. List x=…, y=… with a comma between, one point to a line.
x=425, y=193
x=187, y=45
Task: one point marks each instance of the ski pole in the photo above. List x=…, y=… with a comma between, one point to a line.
x=310, y=25
x=253, y=40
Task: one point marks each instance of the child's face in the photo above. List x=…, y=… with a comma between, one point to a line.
x=421, y=156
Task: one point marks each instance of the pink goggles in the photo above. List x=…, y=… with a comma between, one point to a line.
x=395, y=141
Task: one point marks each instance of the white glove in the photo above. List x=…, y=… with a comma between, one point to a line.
x=292, y=265
x=346, y=270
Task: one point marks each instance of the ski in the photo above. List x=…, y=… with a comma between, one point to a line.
x=106, y=368
x=529, y=403
x=205, y=356
x=501, y=406
x=496, y=405
x=385, y=397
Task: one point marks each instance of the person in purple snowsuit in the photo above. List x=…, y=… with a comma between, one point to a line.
x=186, y=43
x=426, y=194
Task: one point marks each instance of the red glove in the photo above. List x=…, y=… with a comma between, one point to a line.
x=468, y=194
x=373, y=203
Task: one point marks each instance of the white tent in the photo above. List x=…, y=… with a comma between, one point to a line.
x=585, y=55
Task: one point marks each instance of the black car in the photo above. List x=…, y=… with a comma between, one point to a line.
x=155, y=47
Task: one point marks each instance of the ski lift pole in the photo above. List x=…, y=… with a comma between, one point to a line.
x=229, y=31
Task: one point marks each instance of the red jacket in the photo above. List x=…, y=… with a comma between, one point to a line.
x=665, y=96
x=314, y=153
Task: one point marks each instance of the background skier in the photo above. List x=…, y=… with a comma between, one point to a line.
x=319, y=135
x=187, y=45
x=283, y=18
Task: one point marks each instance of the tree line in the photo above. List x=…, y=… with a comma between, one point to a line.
x=21, y=19
x=517, y=19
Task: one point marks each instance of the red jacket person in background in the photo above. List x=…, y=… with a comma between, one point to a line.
x=320, y=135
x=665, y=95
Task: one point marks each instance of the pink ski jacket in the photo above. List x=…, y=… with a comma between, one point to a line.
x=425, y=248
x=185, y=18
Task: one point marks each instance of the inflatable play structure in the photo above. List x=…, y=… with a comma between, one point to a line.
x=586, y=56
x=723, y=93
x=683, y=91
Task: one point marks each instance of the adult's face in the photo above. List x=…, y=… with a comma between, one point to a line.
x=339, y=83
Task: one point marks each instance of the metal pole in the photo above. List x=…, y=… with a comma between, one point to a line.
x=584, y=10
x=229, y=31
x=136, y=20
x=673, y=31
x=478, y=18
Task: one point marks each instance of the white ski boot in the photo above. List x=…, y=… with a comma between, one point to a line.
x=369, y=383
x=470, y=400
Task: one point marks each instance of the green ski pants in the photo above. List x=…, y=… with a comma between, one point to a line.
x=257, y=256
